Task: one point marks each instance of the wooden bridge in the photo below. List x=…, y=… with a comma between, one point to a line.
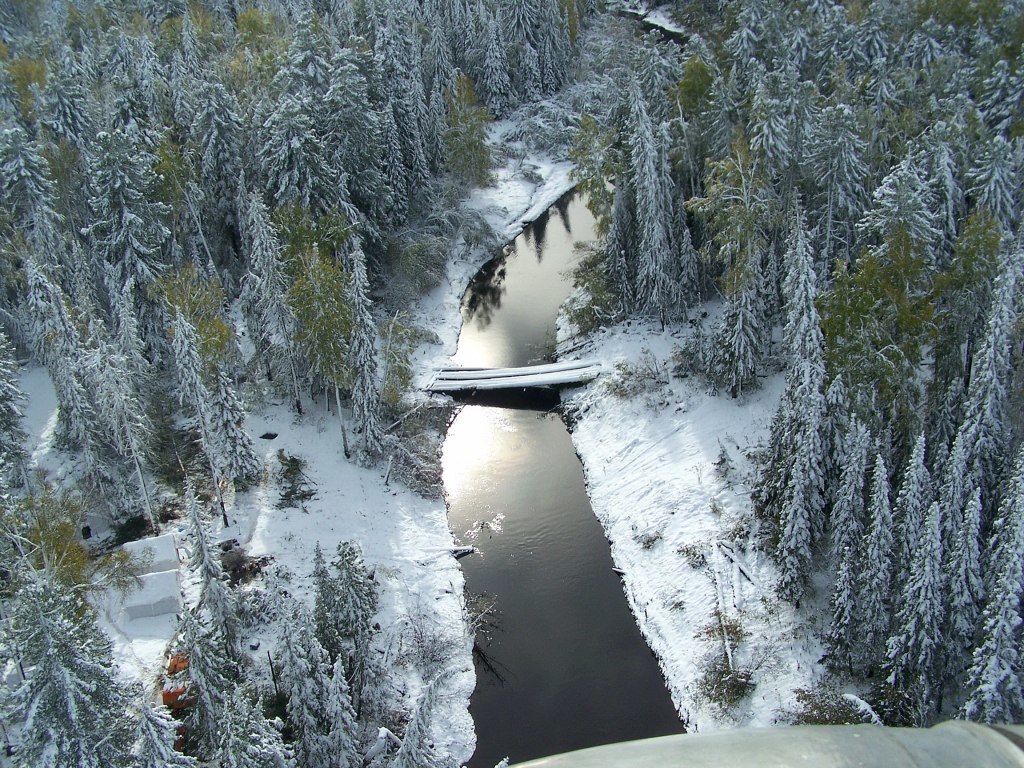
x=549, y=375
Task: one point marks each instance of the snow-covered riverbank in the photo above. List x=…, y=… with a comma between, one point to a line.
x=668, y=475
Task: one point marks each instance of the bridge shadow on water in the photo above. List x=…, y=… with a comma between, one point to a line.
x=520, y=398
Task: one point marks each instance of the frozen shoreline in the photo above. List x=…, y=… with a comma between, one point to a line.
x=678, y=518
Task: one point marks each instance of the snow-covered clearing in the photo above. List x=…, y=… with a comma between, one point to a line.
x=667, y=470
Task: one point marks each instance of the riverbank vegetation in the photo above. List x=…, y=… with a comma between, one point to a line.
x=839, y=183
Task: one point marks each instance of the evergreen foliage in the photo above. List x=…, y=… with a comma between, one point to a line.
x=72, y=709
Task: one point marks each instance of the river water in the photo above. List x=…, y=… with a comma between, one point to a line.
x=560, y=662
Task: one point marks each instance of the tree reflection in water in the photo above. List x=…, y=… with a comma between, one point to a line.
x=483, y=296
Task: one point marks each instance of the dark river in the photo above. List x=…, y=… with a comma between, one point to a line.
x=560, y=662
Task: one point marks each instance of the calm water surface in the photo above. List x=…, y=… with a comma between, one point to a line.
x=560, y=662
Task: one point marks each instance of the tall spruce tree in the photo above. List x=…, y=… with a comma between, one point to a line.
x=916, y=644
x=994, y=691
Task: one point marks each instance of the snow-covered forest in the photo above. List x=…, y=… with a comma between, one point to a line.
x=842, y=182
x=207, y=205
x=211, y=204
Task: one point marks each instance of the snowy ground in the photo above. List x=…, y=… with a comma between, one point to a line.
x=678, y=517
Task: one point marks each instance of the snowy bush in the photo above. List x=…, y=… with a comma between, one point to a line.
x=644, y=376
x=722, y=686
x=823, y=705
x=695, y=554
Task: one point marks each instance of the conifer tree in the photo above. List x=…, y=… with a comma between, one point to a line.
x=127, y=217
x=995, y=182
x=121, y=411
x=306, y=676
x=417, y=747
x=901, y=204
x=994, y=688
x=875, y=589
x=204, y=561
x=72, y=709
x=837, y=160
x=235, y=451
x=294, y=161
x=319, y=299
x=465, y=137
x=983, y=432
x=791, y=485
x=217, y=131
x=656, y=281
x=845, y=552
x=270, y=320
x=916, y=644
x=496, y=83
x=194, y=395
x=63, y=104
x=912, y=501
x=13, y=457
x=26, y=192
x=328, y=631
x=739, y=339
x=363, y=355
x=341, y=739
x=964, y=585
x=155, y=735
x=209, y=674
x=246, y=739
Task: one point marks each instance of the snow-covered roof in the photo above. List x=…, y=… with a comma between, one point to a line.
x=158, y=593
x=158, y=553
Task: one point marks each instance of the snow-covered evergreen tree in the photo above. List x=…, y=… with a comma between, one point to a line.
x=912, y=502
x=994, y=691
x=217, y=131
x=739, y=339
x=155, y=735
x=341, y=741
x=293, y=159
x=496, y=83
x=204, y=561
x=964, y=585
x=319, y=711
x=246, y=739
x=209, y=681
x=995, y=182
x=657, y=285
x=874, y=603
x=901, y=203
x=791, y=485
x=916, y=643
x=13, y=457
x=72, y=709
x=417, y=746
x=837, y=160
x=845, y=553
x=363, y=355
x=234, y=448
x=26, y=192
x=127, y=216
x=270, y=320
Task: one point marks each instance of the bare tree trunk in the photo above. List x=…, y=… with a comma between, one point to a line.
x=341, y=421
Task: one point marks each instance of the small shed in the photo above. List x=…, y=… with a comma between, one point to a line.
x=158, y=594
x=158, y=553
